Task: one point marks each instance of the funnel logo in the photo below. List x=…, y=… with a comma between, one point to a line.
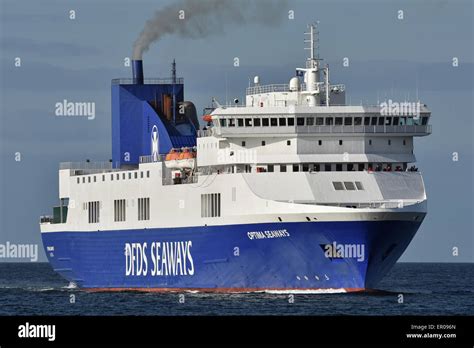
x=154, y=143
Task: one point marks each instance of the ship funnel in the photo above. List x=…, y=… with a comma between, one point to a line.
x=137, y=70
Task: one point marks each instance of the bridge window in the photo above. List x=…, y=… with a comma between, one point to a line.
x=327, y=167
x=316, y=167
x=347, y=121
x=338, y=121
x=223, y=122
x=248, y=122
x=270, y=168
x=329, y=121
x=291, y=121
x=265, y=122
x=282, y=121
x=338, y=186
x=309, y=121
x=424, y=121
x=388, y=121
x=396, y=121
x=296, y=167
x=231, y=122
x=319, y=121
x=357, y=121
x=381, y=120
x=300, y=121
x=339, y=167
x=361, y=167
x=373, y=122
x=366, y=121
x=240, y=122
x=273, y=122
x=283, y=168
x=350, y=167
x=305, y=167
x=256, y=122
x=349, y=185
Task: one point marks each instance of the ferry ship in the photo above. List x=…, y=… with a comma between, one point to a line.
x=292, y=190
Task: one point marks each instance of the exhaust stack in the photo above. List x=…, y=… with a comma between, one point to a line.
x=137, y=70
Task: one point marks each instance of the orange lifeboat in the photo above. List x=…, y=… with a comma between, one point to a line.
x=186, y=159
x=207, y=118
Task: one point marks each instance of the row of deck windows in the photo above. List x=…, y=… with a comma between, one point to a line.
x=114, y=176
x=320, y=142
x=329, y=167
x=323, y=121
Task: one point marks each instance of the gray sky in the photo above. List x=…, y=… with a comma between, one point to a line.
x=389, y=58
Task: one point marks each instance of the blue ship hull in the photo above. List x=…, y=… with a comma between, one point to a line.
x=229, y=258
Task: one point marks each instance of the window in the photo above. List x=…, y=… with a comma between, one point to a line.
x=357, y=121
x=347, y=121
x=338, y=121
x=83, y=180
x=389, y=142
x=117, y=176
x=338, y=167
x=223, y=122
x=248, y=122
x=370, y=141
x=231, y=122
x=296, y=168
x=424, y=121
x=305, y=167
x=129, y=175
x=319, y=121
x=256, y=122
x=111, y=177
x=381, y=120
x=404, y=142
x=263, y=142
x=95, y=178
x=103, y=177
x=396, y=121
x=88, y=179
x=291, y=122
x=388, y=121
x=240, y=122
x=329, y=121
x=270, y=168
x=143, y=209
x=93, y=210
x=338, y=186
x=320, y=142
x=78, y=180
x=123, y=176
x=265, y=122
x=327, y=167
x=288, y=142
x=309, y=121
x=316, y=167
x=349, y=185
x=361, y=167
x=283, y=168
x=119, y=210
x=141, y=175
x=359, y=185
x=340, y=142
x=210, y=205
x=243, y=143
x=300, y=121
x=366, y=121
x=282, y=121
x=350, y=167
x=273, y=122
x=147, y=173
x=136, y=175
